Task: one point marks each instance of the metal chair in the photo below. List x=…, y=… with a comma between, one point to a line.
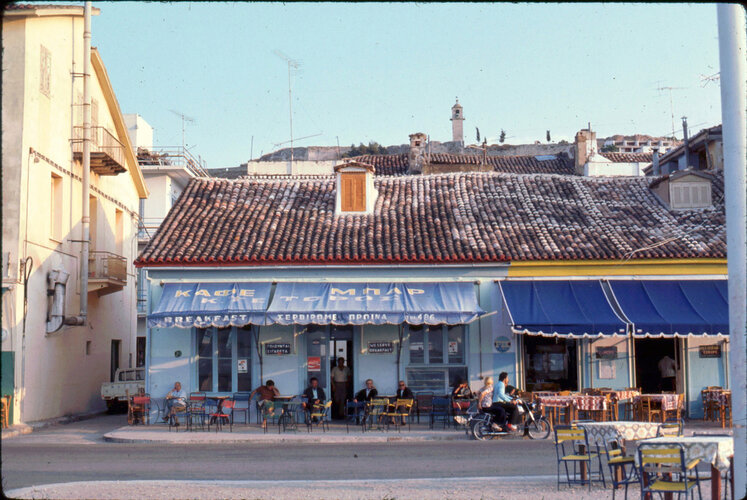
x=354, y=414
x=138, y=408
x=374, y=411
x=575, y=437
x=423, y=404
x=671, y=429
x=268, y=412
x=399, y=412
x=618, y=462
x=197, y=410
x=219, y=415
x=240, y=397
x=319, y=415
x=649, y=410
x=663, y=470
x=441, y=409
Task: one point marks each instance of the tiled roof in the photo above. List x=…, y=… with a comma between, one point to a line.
x=228, y=172
x=398, y=164
x=628, y=157
x=468, y=217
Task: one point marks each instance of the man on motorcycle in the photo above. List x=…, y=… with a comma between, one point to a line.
x=484, y=399
x=506, y=402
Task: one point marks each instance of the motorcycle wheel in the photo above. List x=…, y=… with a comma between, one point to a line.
x=480, y=431
x=539, y=429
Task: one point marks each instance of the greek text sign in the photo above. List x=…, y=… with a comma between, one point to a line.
x=380, y=347
x=277, y=349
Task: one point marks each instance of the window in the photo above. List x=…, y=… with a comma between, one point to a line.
x=353, y=192
x=436, y=357
x=55, y=202
x=45, y=71
x=223, y=359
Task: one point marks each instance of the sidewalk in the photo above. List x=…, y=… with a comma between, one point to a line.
x=252, y=433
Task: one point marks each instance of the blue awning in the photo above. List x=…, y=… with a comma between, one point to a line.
x=201, y=305
x=567, y=308
x=373, y=303
x=674, y=308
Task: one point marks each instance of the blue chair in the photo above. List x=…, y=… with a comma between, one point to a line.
x=354, y=414
x=440, y=410
x=241, y=397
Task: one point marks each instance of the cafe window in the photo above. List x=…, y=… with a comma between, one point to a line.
x=436, y=357
x=223, y=359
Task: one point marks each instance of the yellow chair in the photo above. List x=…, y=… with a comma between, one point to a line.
x=670, y=429
x=575, y=455
x=663, y=470
x=319, y=414
x=618, y=463
x=398, y=412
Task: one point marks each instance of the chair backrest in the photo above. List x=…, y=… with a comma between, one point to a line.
x=403, y=405
x=141, y=400
x=241, y=396
x=440, y=404
x=564, y=393
x=612, y=449
x=670, y=429
x=197, y=396
x=425, y=401
x=714, y=388
x=228, y=404
x=671, y=456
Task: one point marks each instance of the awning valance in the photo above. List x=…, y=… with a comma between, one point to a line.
x=674, y=308
x=202, y=305
x=564, y=308
x=373, y=303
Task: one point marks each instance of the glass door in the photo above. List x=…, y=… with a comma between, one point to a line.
x=317, y=362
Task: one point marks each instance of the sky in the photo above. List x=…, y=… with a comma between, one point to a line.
x=381, y=71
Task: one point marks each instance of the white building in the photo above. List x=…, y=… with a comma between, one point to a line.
x=51, y=368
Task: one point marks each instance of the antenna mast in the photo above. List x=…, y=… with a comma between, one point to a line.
x=295, y=65
x=184, y=118
x=671, y=104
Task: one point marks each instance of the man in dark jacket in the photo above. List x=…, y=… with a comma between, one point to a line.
x=404, y=392
x=367, y=393
x=314, y=394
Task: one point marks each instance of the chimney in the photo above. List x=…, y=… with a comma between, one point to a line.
x=687, y=142
x=585, y=145
x=417, y=157
x=655, y=163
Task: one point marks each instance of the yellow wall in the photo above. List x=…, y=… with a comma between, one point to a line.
x=638, y=267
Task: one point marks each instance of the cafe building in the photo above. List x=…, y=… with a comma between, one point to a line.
x=430, y=279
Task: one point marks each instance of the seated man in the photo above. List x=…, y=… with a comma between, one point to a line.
x=314, y=395
x=367, y=393
x=461, y=395
x=267, y=395
x=175, y=398
x=404, y=392
x=503, y=400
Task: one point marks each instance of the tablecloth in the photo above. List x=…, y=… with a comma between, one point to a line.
x=604, y=432
x=716, y=450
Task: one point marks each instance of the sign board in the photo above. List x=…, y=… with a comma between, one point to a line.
x=607, y=369
x=453, y=347
x=502, y=344
x=277, y=349
x=710, y=351
x=314, y=363
x=609, y=352
x=380, y=347
x=242, y=366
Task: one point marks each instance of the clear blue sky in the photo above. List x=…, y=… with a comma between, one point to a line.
x=378, y=72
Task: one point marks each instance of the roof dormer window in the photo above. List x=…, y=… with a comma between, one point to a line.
x=356, y=193
x=684, y=190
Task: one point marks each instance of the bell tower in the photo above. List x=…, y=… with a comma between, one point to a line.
x=457, y=126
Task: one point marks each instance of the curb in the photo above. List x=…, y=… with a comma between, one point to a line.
x=16, y=430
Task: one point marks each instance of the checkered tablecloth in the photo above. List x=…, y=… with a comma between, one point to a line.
x=622, y=395
x=604, y=432
x=668, y=401
x=560, y=401
x=719, y=397
x=716, y=450
x=585, y=403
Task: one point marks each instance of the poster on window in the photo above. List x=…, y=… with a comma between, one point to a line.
x=453, y=347
x=314, y=363
x=606, y=369
x=242, y=366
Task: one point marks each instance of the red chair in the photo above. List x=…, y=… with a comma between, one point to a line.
x=218, y=415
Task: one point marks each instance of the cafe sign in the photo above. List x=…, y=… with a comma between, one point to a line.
x=277, y=349
x=380, y=348
x=710, y=351
x=609, y=352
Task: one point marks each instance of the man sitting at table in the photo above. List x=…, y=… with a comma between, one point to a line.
x=267, y=395
x=314, y=395
x=367, y=393
x=176, y=398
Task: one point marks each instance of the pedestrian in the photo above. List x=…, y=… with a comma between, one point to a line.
x=339, y=377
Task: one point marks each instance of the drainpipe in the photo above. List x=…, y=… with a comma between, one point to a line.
x=86, y=215
x=687, y=142
x=732, y=47
x=656, y=166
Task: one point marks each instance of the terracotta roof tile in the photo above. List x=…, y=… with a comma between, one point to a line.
x=470, y=217
x=628, y=157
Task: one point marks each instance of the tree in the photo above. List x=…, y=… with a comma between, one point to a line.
x=609, y=148
x=478, y=134
x=548, y=136
x=502, y=137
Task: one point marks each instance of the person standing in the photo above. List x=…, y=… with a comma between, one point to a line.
x=339, y=377
x=668, y=371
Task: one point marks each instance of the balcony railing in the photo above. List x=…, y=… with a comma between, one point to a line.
x=142, y=299
x=107, y=266
x=172, y=157
x=107, y=153
x=148, y=227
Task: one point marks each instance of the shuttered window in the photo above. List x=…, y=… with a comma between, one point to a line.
x=353, y=192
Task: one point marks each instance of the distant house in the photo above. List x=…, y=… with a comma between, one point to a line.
x=51, y=367
x=703, y=151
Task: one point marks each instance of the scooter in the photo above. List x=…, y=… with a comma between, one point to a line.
x=533, y=424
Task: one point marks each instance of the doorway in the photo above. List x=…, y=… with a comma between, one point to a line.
x=114, y=364
x=341, y=346
x=649, y=353
x=550, y=363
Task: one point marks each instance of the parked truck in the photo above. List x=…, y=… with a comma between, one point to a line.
x=125, y=380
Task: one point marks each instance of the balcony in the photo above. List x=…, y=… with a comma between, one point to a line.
x=107, y=153
x=107, y=273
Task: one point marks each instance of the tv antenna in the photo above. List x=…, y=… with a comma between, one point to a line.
x=292, y=64
x=185, y=119
x=710, y=78
x=671, y=102
x=299, y=139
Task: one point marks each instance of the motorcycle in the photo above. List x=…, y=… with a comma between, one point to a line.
x=480, y=425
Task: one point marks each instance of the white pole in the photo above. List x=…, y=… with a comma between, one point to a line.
x=731, y=30
x=86, y=215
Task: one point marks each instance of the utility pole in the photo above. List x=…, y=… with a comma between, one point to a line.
x=732, y=46
x=295, y=65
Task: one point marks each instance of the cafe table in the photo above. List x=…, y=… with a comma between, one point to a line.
x=218, y=410
x=716, y=450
